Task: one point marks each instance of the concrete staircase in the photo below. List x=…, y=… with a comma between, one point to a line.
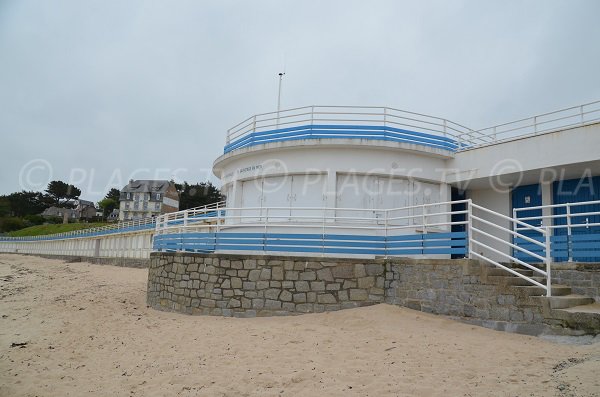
x=571, y=313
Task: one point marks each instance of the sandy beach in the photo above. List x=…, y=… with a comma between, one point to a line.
x=72, y=329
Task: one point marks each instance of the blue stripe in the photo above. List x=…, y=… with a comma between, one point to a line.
x=385, y=133
x=417, y=244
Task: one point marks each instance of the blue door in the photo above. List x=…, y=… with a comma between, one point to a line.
x=584, y=241
x=525, y=197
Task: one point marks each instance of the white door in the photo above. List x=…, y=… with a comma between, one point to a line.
x=308, y=191
x=355, y=191
x=252, y=201
x=277, y=196
x=426, y=193
x=394, y=193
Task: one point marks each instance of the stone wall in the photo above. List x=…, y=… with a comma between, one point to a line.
x=583, y=278
x=459, y=288
x=247, y=286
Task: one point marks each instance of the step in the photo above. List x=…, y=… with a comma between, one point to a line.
x=584, y=317
x=496, y=271
x=514, y=280
x=593, y=308
x=569, y=301
x=534, y=290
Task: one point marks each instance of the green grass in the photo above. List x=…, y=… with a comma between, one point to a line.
x=40, y=230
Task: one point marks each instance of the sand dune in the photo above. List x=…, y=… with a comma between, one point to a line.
x=88, y=332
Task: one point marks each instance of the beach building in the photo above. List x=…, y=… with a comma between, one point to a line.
x=147, y=198
x=378, y=181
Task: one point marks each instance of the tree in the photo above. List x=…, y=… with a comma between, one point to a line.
x=62, y=193
x=26, y=203
x=114, y=194
x=108, y=205
x=197, y=195
x=4, y=206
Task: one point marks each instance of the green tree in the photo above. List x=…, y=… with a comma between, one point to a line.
x=107, y=205
x=114, y=194
x=197, y=195
x=62, y=193
x=26, y=203
x=4, y=206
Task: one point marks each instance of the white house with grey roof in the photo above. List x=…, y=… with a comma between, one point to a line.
x=147, y=198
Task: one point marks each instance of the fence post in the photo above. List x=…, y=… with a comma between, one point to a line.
x=323, y=233
x=470, y=227
x=384, y=116
x=265, y=233
x=312, y=118
x=386, y=232
x=548, y=263
x=569, y=234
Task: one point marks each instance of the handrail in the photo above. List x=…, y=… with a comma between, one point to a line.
x=466, y=138
x=535, y=125
x=119, y=227
x=474, y=240
x=375, y=115
x=569, y=221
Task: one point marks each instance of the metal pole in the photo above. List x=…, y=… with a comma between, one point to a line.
x=279, y=98
x=470, y=227
x=548, y=263
x=569, y=234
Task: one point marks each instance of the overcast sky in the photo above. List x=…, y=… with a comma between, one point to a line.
x=98, y=92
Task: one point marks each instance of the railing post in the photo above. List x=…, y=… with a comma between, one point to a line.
x=470, y=227
x=535, y=124
x=445, y=127
x=323, y=233
x=265, y=232
x=312, y=118
x=424, y=221
x=581, y=113
x=385, y=117
x=548, y=263
x=386, y=233
x=569, y=234
x=218, y=219
x=254, y=123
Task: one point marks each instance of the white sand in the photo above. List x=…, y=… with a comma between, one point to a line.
x=88, y=332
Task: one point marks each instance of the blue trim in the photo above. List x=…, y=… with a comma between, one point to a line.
x=323, y=131
x=454, y=243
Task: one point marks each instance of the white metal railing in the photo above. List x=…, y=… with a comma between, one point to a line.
x=502, y=237
x=429, y=217
x=113, y=228
x=571, y=217
x=466, y=138
x=574, y=116
x=120, y=227
x=346, y=115
x=483, y=227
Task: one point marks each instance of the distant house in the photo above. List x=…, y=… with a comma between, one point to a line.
x=83, y=210
x=113, y=216
x=53, y=212
x=147, y=198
